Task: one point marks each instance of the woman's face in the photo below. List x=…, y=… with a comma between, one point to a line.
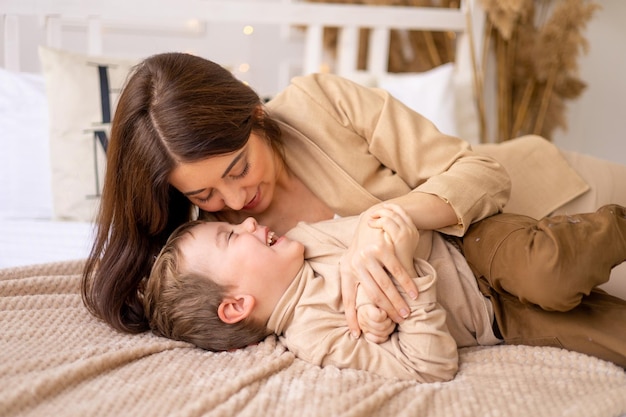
x=243, y=180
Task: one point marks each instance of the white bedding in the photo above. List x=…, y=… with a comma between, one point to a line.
x=27, y=241
x=28, y=235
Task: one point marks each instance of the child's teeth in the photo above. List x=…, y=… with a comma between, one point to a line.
x=271, y=238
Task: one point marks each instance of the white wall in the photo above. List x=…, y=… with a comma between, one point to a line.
x=597, y=119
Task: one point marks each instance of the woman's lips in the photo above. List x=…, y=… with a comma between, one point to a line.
x=254, y=202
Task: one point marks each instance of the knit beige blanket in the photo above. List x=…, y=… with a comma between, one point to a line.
x=57, y=360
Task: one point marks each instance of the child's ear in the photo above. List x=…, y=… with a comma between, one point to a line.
x=234, y=309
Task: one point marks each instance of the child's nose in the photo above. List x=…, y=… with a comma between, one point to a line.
x=250, y=224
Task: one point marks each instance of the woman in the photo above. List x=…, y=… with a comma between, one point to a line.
x=187, y=134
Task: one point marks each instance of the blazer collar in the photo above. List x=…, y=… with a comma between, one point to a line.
x=324, y=177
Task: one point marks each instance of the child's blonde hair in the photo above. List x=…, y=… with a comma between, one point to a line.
x=182, y=305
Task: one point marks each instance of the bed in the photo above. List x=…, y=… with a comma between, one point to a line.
x=56, y=359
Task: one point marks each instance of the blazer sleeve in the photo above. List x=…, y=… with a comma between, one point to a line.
x=353, y=123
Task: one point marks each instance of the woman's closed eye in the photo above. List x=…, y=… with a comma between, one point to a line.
x=243, y=173
x=205, y=199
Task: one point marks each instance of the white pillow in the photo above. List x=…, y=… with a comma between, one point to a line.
x=430, y=93
x=364, y=78
x=25, y=190
x=75, y=103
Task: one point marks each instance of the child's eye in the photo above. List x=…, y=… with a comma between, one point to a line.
x=243, y=173
x=230, y=235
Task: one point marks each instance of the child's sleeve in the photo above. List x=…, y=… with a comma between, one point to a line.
x=420, y=349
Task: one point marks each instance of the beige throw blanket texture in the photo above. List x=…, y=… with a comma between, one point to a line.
x=57, y=360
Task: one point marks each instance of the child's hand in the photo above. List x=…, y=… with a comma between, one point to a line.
x=375, y=323
x=400, y=230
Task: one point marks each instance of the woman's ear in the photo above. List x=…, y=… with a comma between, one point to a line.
x=234, y=309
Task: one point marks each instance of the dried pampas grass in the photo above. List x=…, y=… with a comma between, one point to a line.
x=535, y=44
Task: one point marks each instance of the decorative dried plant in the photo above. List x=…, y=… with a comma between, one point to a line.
x=536, y=46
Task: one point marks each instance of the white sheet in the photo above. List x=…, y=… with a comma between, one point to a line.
x=25, y=181
x=27, y=235
x=26, y=242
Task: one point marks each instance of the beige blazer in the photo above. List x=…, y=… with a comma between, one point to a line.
x=355, y=146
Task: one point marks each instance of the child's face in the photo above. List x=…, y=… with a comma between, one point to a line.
x=246, y=256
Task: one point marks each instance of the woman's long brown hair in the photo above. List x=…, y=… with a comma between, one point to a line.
x=174, y=108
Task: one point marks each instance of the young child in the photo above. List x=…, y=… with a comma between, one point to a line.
x=223, y=286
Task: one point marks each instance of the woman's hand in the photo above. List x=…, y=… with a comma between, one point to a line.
x=399, y=228
x=375, y=323
x=369, y=261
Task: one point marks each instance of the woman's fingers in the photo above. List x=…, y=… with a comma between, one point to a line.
x=400, y=232
x=393, y=220
x=382, y=248
x=406, y=282
x=380, y=288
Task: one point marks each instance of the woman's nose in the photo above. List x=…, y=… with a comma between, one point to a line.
x=235, y=198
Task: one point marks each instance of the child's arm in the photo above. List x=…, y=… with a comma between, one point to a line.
x=422, y=345
x=373, y=321
x=421, y=349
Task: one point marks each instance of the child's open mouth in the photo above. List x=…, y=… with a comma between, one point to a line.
x=271, y=238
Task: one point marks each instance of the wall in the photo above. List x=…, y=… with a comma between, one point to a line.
x=597, y=119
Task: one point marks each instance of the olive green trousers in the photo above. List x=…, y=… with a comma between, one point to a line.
x=541, y=276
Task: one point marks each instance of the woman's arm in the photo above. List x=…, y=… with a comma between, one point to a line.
x=395, y=155
x=427, y=211
x=367, y=139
